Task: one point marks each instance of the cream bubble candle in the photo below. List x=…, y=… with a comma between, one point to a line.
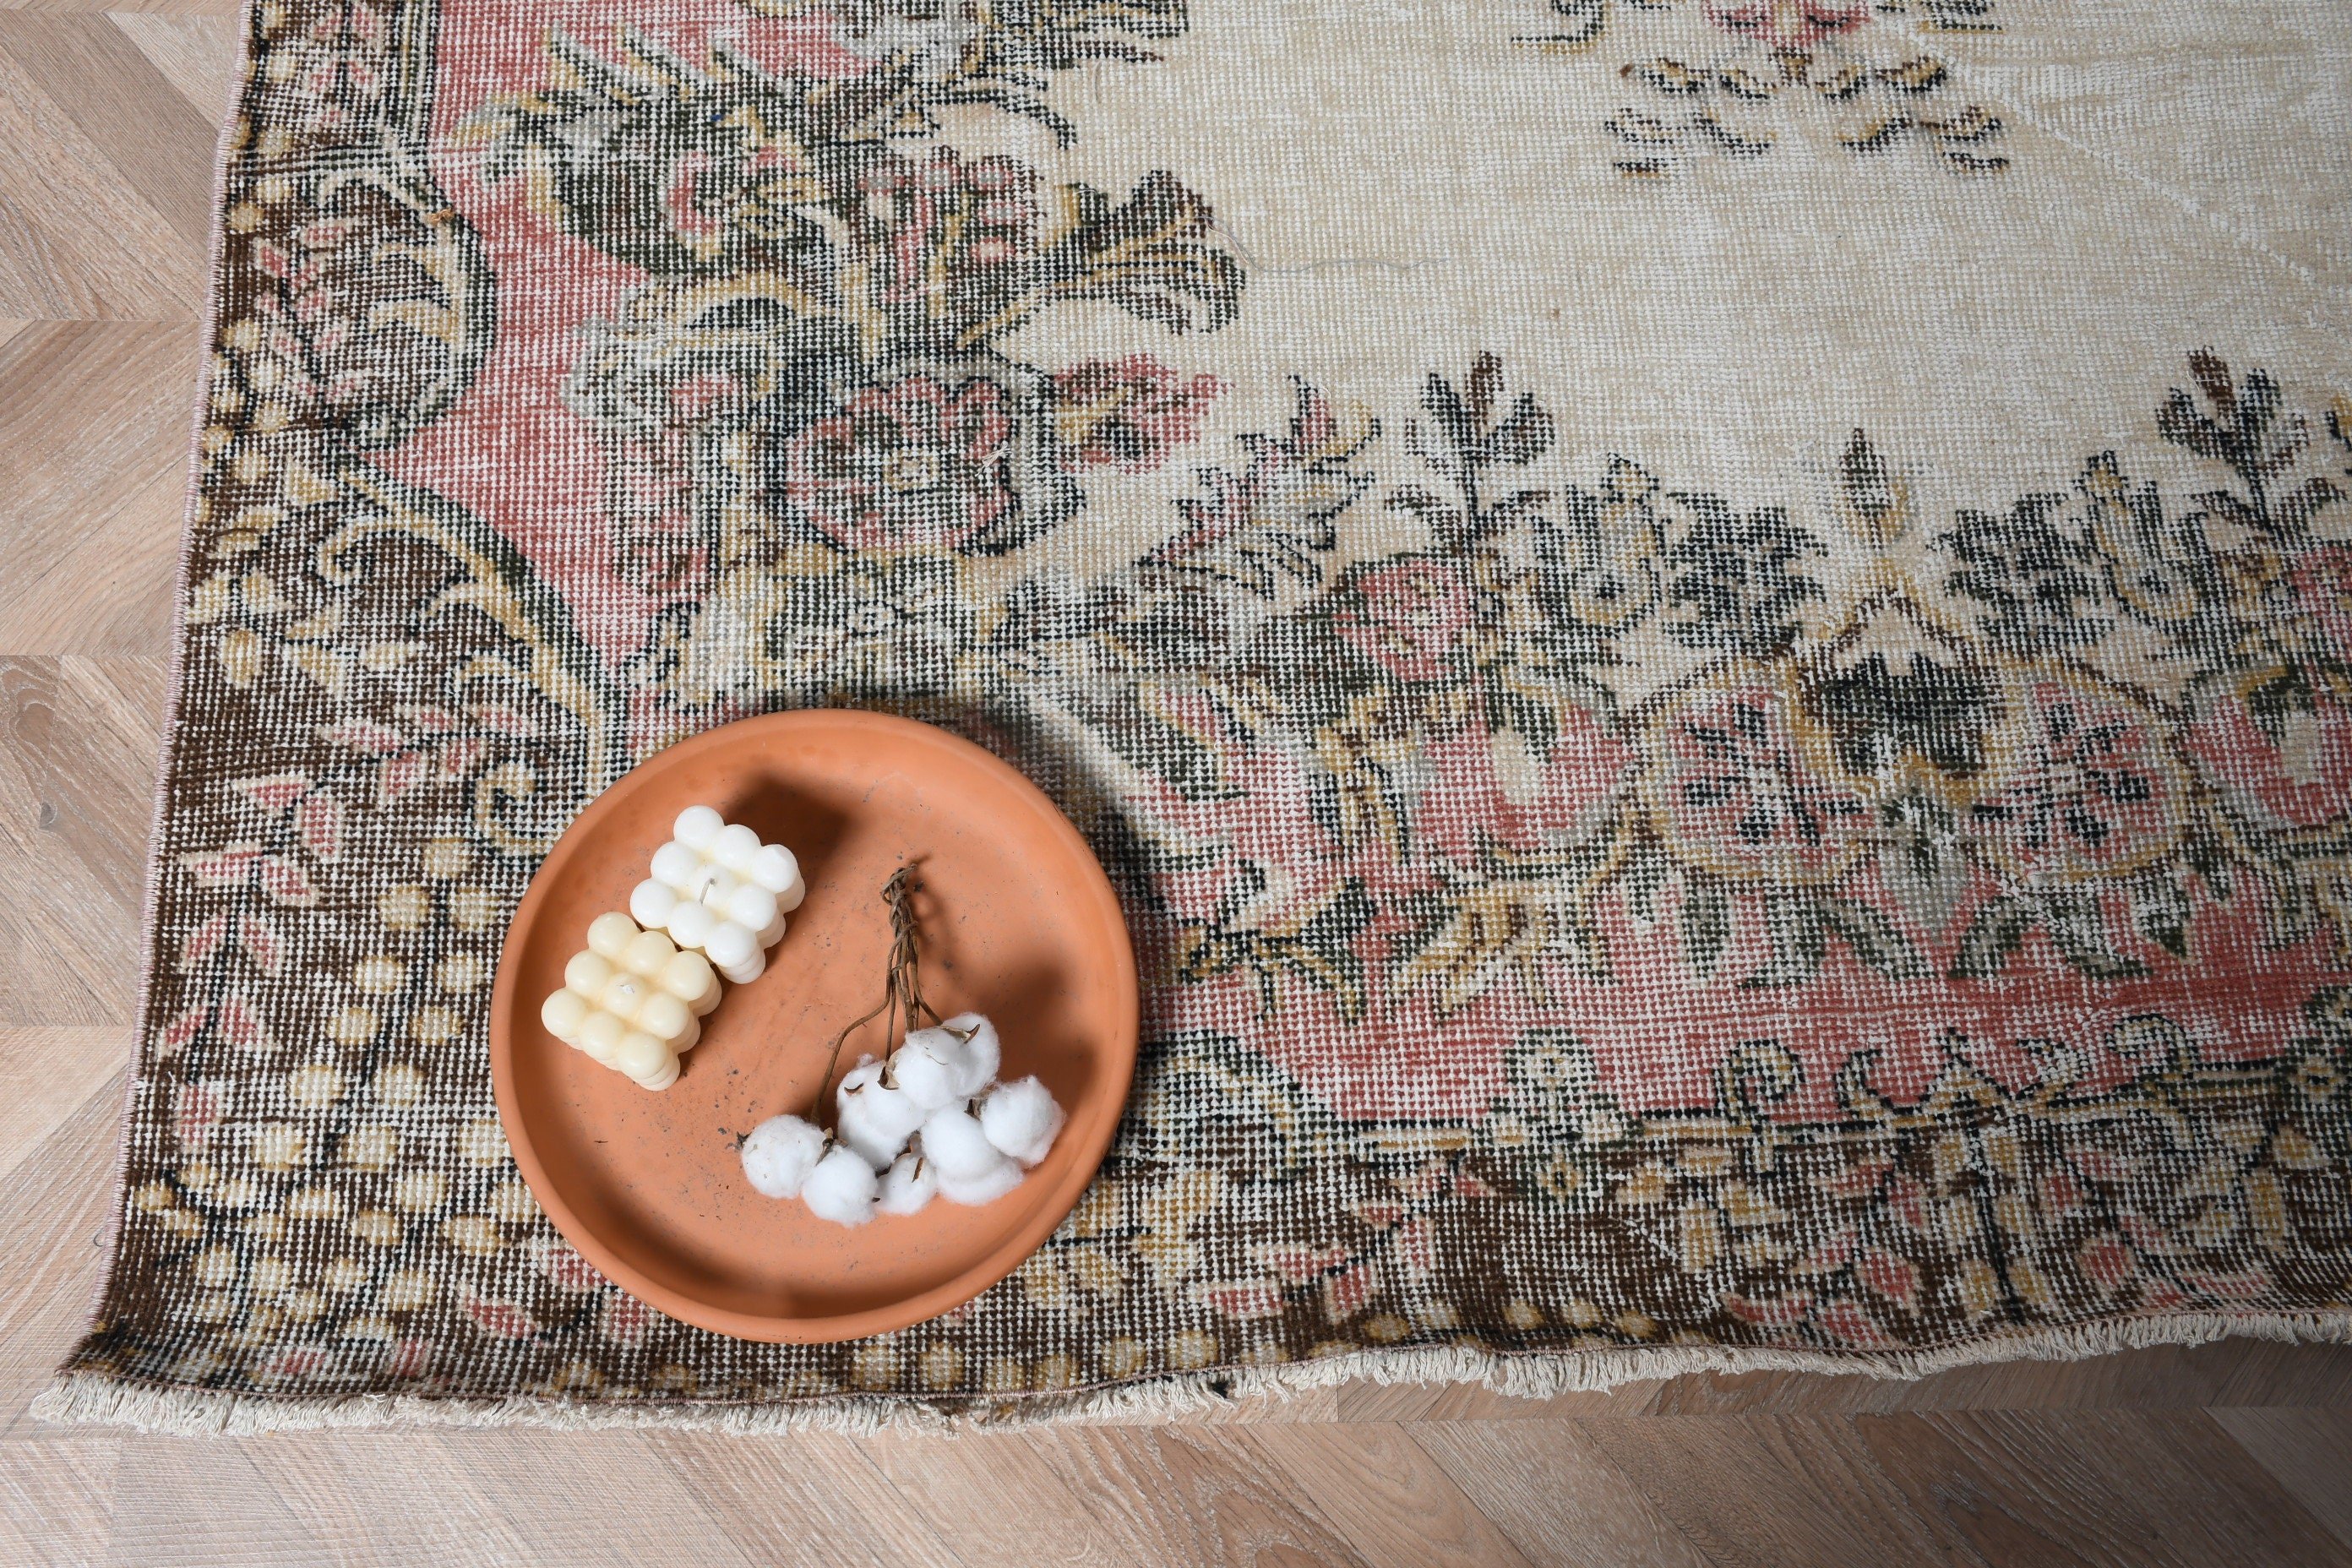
x=717, y=890
x=632, y=1001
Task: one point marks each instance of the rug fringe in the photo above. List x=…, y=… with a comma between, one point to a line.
x=99, y=1399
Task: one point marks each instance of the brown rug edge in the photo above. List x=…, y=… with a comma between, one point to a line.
x=99, y=1399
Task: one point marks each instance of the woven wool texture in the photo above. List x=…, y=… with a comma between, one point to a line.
x=1707, y=639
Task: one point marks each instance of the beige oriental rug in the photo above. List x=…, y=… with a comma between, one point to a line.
x=1711, y=641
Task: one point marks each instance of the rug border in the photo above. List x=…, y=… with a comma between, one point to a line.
x=99, y=1399
x=225, y=149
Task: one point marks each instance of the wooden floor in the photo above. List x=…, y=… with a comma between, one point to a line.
x=2229, y=1454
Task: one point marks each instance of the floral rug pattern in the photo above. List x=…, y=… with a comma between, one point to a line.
x=1854, y=75
x=1620, y=914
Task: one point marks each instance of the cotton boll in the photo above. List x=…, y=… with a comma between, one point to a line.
x=980, y=1050
x=908, y=1184
x=875, y=1117
x=1022, y=1120
x=957, y=1145
x=867, y=1125
x=696, y=825
x=651, y=902
x=985, y=1188
x=842, y=1188
x=929, y=1067
x=779, y=1156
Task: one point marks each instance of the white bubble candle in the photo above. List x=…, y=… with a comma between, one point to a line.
x=716, y=888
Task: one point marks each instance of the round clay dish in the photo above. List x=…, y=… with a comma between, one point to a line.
x=1017, y=922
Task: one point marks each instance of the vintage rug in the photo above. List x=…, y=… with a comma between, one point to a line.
x=1711, y=640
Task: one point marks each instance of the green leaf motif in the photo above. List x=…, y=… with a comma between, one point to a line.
x=1993, y=936
x=1706, y=925
x=1871, y=935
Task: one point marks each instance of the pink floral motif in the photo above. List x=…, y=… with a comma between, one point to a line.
x=196, y=1110
x=1129, y=414
x=295, y=1363
x=1410, y=615
x=914, y=464
x=2089, y=786
x=1791, y=24
x=2292, y=774
x=1491, y=788
x=1238, y=860
x=990, y=200
x=624, y=1319
x=563, y=1267
x=1737, y=792
x=410, y=1358
x=504, y=1319
x=2321, y=582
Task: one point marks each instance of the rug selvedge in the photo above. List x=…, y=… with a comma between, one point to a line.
x=2021, y=831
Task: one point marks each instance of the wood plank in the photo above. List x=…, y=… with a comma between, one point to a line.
x=806, y=1497
x=1413, y=1516
x=106, y=588
x=1193, y=1495
x=1556, y=1494
x=204, y=1502
x=197, y=55
x=2165, y=1487
x=2307, y=1452
x=156, y=141
x=1771, y=1489
x=1307, y=1406
x=225, y=9
x=52, y=1251
x=75, y=243
x=87, y=740
x=1418, y=1402
x=1001, y=1498
x=57, y=1499
x=525, y=1497
x=338, y=1487
x=75, y=759
x=94, y=439
x=47, y=1075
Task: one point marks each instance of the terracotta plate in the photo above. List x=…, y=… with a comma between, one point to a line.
x=1018, y=922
